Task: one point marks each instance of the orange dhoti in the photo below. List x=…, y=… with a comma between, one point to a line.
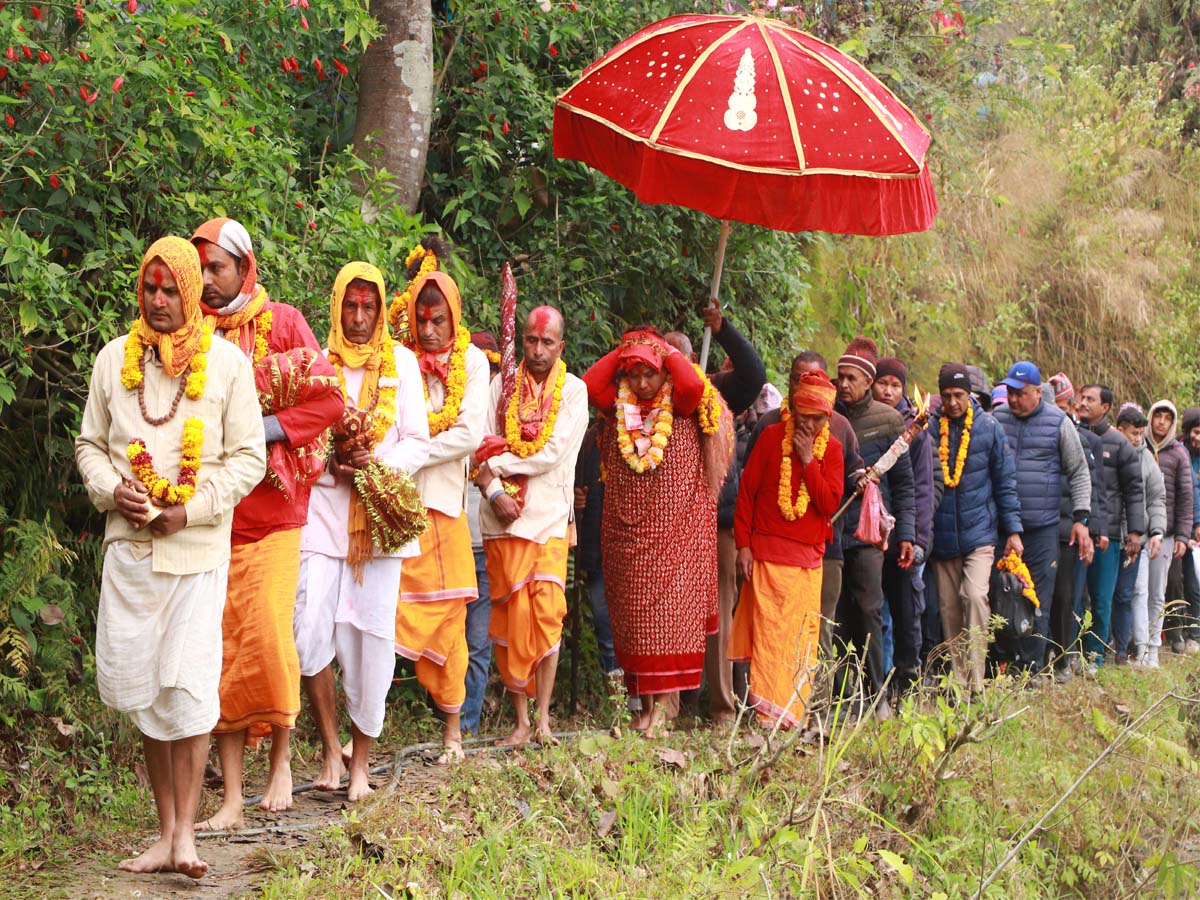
x=776, y=627
x=260, y=672
x=431, y=617
x=529, y=603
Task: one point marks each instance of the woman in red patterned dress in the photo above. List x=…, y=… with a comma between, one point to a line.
x=665, y=448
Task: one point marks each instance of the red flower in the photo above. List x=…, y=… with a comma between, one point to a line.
x=54, y=182
x=320, y=69
x=87, y=98
x=27, y=53
x=131, y=6
x=341, y=67
x=304, y=22
x=504, y=128
x=3, y=72
x=117, y=82
x=9, y=120
x=189, y=93
x=11, y=53
x=79, y=13
x=84, y=56
x=616, y=227
x=552, y=50
x=76, y=640
x=44, y=57
x=36, y=12
x=496, y=17
x=297, y=204
x=312, y=226
x=252, y=129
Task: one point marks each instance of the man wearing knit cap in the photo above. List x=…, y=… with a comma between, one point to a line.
x=905, y=589
x=1183, y=626
x=1046, y=450
x=876, y=426
x=979, y=495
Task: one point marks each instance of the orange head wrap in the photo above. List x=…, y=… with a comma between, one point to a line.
x=814, y=395
x=175, y=349
x=449, y=289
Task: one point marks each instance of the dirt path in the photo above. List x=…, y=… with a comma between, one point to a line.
x=236, y=863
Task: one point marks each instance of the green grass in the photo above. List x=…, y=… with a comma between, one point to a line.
x=894, y=810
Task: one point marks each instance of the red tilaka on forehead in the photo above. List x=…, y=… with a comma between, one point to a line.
x=425, y=312
x=541, y=318
x=155, y=273
x=360, y=293
x=202, y=249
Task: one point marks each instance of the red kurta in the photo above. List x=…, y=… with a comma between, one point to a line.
x=758, y=523
x=265, y=510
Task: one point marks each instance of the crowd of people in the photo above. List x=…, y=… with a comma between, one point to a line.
x=258, y=529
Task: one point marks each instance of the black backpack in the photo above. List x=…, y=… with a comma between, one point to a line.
x=1007, y=601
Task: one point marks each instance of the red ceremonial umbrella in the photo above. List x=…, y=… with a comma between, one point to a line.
x=747, y=118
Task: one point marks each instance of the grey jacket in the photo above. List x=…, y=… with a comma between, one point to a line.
x=1155, y=503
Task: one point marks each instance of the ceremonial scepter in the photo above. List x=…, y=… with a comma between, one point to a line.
x=899, y=447
x=508, y=340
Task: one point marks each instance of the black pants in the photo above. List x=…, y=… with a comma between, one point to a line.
x=1062, y=607
x=860, y=611
x=1183, y=620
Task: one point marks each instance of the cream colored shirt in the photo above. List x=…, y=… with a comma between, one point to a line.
x=443, y=479
x=549, y=493
x=233, y=458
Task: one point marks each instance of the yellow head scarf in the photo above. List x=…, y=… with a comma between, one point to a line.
x=358, y=355
x=175, y=349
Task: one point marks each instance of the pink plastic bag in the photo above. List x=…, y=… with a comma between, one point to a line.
x=874, y=522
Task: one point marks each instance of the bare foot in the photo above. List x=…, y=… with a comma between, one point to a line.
x=347, y=752
x=228, y=817
x=546, y=737
x=359, y=786
x=187, y=861
x=452, y=752
x=518, y=738
x=278, y=795
x=640, y=722
x=156, y=858
x=332, y=770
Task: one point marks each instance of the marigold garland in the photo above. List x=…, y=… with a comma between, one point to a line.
x=133, y=368
x=456, y=385
x=493, y=356
x=789, y=510
x=398, y=311
x=159, y=487
x=262, y=330
x=660, y=433
x=709, y=410
x=1014, y=564
x=382, y=410
x=951, y=481
x=512, y=419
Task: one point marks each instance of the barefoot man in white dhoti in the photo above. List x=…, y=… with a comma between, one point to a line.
x=171, y=440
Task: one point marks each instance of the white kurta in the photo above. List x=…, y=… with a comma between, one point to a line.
x=443, y=479
x=550, y=492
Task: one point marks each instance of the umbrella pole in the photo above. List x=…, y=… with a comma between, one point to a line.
x=716, y=289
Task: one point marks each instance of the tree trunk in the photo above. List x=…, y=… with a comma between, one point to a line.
x=395, y=95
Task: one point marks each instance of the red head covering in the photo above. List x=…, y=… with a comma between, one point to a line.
x=814, y=395
x=643, y=346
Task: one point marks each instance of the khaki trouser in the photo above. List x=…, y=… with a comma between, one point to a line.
x=963, y=593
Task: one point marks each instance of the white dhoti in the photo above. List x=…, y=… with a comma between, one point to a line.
x=356, y=623
x=158, y=643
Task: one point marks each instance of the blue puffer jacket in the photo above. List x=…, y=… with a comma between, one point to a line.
x=984, y=506
x=1034, y=443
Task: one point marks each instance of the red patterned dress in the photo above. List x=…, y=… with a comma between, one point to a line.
x=659, y=541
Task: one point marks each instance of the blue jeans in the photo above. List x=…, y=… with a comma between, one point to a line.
x=479, y=646
x=1122, y=607
x=600, y=621
x=1102, y=582
x=889, y=640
